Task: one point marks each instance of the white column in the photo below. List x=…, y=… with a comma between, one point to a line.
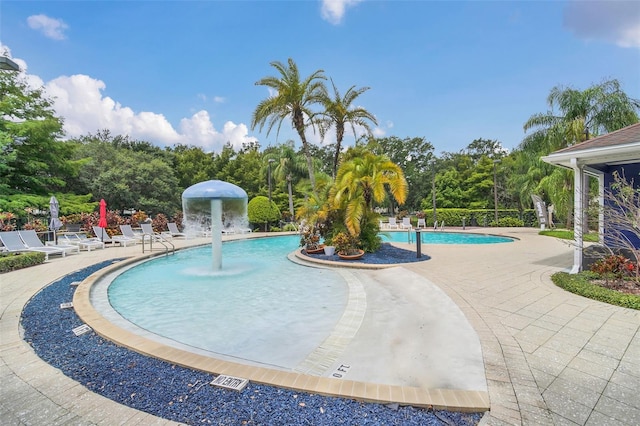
x=578, y=216
x=601, y=208
x=216, y=234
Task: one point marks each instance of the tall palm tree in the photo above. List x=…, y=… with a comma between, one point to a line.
x=363, y=180
x=293, y=99
x=339, y=112
x=289, y=165
x=598, y=109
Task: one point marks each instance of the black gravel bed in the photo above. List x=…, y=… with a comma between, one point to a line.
x=185, y=395
x=387, y=254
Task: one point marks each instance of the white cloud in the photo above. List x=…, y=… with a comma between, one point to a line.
x=613, y=21
x=219, y=99
x=50, y=27
x=333, y=10
x=80, y=101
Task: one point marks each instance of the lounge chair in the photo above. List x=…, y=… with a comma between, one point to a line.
x=13, y=243
x=392, y=223
x=406, y=223
x=102, y=235
x=31, y=240
x=128, y=232
x=81, y=241
x=174, y=231
x=147, y=229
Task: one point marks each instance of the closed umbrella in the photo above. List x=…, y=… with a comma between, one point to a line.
x=54, y=211
x=103, y=217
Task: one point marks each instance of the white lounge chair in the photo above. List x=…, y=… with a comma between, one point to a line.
x=422, y=223
x=174, y=231
x=103, y=236
x=81, y=241
x=406, y=223
x=128, y=232
x=392, y=223
x=13, y=243
x=147, y=230
x=31, y=240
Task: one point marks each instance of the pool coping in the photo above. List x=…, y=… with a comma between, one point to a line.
x=440, y=399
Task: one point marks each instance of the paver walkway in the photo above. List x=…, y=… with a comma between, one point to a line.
x=550, y=357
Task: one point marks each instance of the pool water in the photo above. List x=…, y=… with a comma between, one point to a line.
x=258, y=304
x=437, y=237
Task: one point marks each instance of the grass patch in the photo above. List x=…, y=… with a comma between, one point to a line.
x=568, y=235
x=581, y=284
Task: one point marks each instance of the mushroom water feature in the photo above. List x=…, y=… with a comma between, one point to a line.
x=221, y=203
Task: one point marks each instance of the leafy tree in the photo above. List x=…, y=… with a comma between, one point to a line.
x=126, y=178
x=246, y=169
x=339, y=112
x=293, y=99
x=415, y=156
x=192, y=165
x=32, y=158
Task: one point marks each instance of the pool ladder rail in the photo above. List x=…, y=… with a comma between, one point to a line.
x=169, y=247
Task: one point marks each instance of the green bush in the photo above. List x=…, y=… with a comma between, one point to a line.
x=13, y=261
x=480, y=217
x=259, y=210
x=581, y=284
x=289, y=227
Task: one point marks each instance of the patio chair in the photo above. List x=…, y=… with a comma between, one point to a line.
x=422, y=223
x=13, y=243
x=31, y=240
x=128, y=232
x=406, y=223
x=102, y=235
x=174, y=231
x=147, y=230
x=81, y=241
x=392, y=223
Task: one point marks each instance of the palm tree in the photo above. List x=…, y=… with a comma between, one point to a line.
x=339, y=112
x=363, y=180
x=599, y=109
x=289, y=165
x=293, y=99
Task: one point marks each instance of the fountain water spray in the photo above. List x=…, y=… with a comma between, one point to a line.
x=216, y=200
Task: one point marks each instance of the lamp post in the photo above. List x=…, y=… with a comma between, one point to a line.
x=271, y=160
x=433, y=193
x=495, y=191
x=8, y=65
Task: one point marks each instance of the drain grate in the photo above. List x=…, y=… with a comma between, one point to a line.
x=230, y=382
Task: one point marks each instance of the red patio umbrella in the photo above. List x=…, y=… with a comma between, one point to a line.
x=103, y=217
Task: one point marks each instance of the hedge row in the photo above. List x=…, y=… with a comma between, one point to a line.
x=13, y=261
x=580, y=284
x=482, y=217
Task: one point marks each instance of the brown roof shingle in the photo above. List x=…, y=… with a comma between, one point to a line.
x=629, y=134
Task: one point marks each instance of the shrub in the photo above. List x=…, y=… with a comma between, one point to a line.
x=289, y=227
x=580, y=284
x=260, y=211
x=13, y=261
x=345, y=243
x=614, y=266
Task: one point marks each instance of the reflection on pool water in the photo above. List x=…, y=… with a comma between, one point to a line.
x=437, y=237
x=260, y=307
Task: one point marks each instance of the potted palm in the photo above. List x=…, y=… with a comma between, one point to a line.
x=346, y=246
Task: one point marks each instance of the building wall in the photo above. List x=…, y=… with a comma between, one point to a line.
x=630, y=172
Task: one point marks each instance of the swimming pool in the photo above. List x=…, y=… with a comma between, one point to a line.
x=258, y=304
x=437, y=237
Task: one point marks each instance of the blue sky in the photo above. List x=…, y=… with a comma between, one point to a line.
x=184, y=71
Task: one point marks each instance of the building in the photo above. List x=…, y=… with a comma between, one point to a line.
x=599, y=158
